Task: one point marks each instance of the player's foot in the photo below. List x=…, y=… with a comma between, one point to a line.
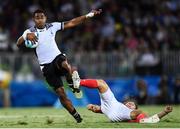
x=76, y=79
x=76, y=84
x=78, y=93
x=78, y=118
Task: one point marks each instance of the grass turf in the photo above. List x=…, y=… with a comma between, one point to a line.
x=59, y=118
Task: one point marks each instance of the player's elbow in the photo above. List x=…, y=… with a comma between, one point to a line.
x=19, y=42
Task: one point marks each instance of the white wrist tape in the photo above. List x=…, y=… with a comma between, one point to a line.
x=25, y=34
x=89, y=15
x=152, y=119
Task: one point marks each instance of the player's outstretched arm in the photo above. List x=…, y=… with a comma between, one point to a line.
x=156, y=118
x=81, y=19
x=166, y=110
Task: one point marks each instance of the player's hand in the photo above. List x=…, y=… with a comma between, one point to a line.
x=93, y=108
x=97, y=12
x=94, y=13
x=90, y=106
x=168, y=109
x=32, y=37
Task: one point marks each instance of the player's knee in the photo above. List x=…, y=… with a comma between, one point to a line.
x=101, y=82
x=102, y=85
x=66, y=65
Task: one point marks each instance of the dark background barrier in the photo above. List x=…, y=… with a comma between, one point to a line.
x=37, y=93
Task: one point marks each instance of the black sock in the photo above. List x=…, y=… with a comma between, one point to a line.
x=70, y=81
x=76, y=115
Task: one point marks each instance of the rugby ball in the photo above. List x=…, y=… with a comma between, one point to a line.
x=31, y=44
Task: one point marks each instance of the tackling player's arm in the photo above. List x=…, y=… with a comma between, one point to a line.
x=81, y=19
x=156, y=118
x=166, y=110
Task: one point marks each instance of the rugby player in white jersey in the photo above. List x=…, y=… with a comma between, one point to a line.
x=115, y=110
x=52, y=62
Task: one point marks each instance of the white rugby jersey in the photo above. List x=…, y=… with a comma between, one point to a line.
x=47, y=48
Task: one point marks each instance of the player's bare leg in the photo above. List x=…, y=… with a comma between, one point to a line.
x=67, y=66
x=72, y=78
x=76, y=83
x=68, y=104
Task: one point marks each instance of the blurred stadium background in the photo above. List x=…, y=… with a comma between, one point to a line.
x=133, y=45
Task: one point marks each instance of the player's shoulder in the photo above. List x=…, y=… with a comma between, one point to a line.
x=32, y=29
x=52, y=24
x=48, y=25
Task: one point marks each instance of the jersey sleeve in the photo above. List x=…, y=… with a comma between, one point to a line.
x=58, y=26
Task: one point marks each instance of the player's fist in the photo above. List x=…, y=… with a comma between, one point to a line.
x=90, y=107
x=168, y=109
x=32, y=37
x=97, y=12
x=93, y=13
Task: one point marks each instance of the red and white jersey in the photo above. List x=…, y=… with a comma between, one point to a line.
x=114, y=110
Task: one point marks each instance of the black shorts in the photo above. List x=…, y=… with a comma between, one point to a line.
x=53, y=73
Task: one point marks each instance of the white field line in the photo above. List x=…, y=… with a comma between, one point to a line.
x=27, y=116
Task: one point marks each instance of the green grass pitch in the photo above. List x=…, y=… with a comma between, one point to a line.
x=59, y=118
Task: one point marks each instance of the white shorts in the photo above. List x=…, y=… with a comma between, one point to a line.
x=114, y=110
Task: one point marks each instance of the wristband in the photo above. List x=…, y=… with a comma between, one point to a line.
x=24, y=36
x=89, y=15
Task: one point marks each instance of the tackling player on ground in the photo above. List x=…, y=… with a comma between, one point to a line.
x=117, y=111
x=52, y=62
